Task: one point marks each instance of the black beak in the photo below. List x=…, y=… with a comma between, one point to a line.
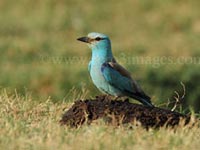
x=84, y=39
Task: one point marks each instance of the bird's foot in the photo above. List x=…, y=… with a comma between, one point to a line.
x=104, y=97
x=121, y=98
x=116, y=98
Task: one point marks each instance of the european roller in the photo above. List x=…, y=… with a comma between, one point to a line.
x=109, y=76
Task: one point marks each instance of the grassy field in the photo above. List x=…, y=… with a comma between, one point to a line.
x=43, y=63
x=26, y=124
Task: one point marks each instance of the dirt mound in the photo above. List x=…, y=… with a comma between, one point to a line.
x=120, y=112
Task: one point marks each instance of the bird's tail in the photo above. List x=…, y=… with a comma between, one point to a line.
x=143, y=98
x=146, y=102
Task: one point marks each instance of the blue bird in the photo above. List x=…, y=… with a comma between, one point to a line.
x=108, y=76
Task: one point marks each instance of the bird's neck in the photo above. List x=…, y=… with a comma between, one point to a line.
x=100, y=55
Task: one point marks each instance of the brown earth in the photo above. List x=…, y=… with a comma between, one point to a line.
x=118, y=112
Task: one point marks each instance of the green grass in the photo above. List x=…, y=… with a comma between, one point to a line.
x=34, y=124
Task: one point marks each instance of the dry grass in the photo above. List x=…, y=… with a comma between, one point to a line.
x=30, y=124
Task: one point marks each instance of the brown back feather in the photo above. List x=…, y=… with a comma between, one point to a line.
x=124, y=72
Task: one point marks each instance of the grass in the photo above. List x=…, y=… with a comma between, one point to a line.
x=33, y=124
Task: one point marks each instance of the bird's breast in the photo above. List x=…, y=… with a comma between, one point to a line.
x=99, y=80
x=96, y=74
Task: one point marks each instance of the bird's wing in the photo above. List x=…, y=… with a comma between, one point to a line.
x=121, y=79
x=89, y=66
x=117, y=76
x=120, y=69
x=123, y=72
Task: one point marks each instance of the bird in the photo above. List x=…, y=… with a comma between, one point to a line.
x=109, y=76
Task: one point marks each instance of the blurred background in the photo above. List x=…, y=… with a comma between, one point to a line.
x=158, y=41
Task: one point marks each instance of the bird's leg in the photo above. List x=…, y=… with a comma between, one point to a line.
x=117, y=97
x=104, y=96
x=124, y=99
x=108, y=97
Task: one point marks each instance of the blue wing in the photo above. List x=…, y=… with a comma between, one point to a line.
x=115, y=78
x=89, y=66
x=119, y=78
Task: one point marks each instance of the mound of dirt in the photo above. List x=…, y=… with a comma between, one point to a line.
x=118, y=112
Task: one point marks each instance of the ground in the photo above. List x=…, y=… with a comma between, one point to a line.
x=119, y=112
x=29, y=124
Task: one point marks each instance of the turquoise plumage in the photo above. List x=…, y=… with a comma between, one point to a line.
x=108, y=76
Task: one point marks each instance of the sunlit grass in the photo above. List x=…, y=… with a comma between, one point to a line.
x=30, y=124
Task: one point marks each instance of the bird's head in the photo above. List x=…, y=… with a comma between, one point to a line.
x=96, y=41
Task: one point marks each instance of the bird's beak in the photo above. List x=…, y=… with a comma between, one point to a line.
x=84, y=39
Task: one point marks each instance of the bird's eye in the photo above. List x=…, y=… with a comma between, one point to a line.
x=97, y=38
